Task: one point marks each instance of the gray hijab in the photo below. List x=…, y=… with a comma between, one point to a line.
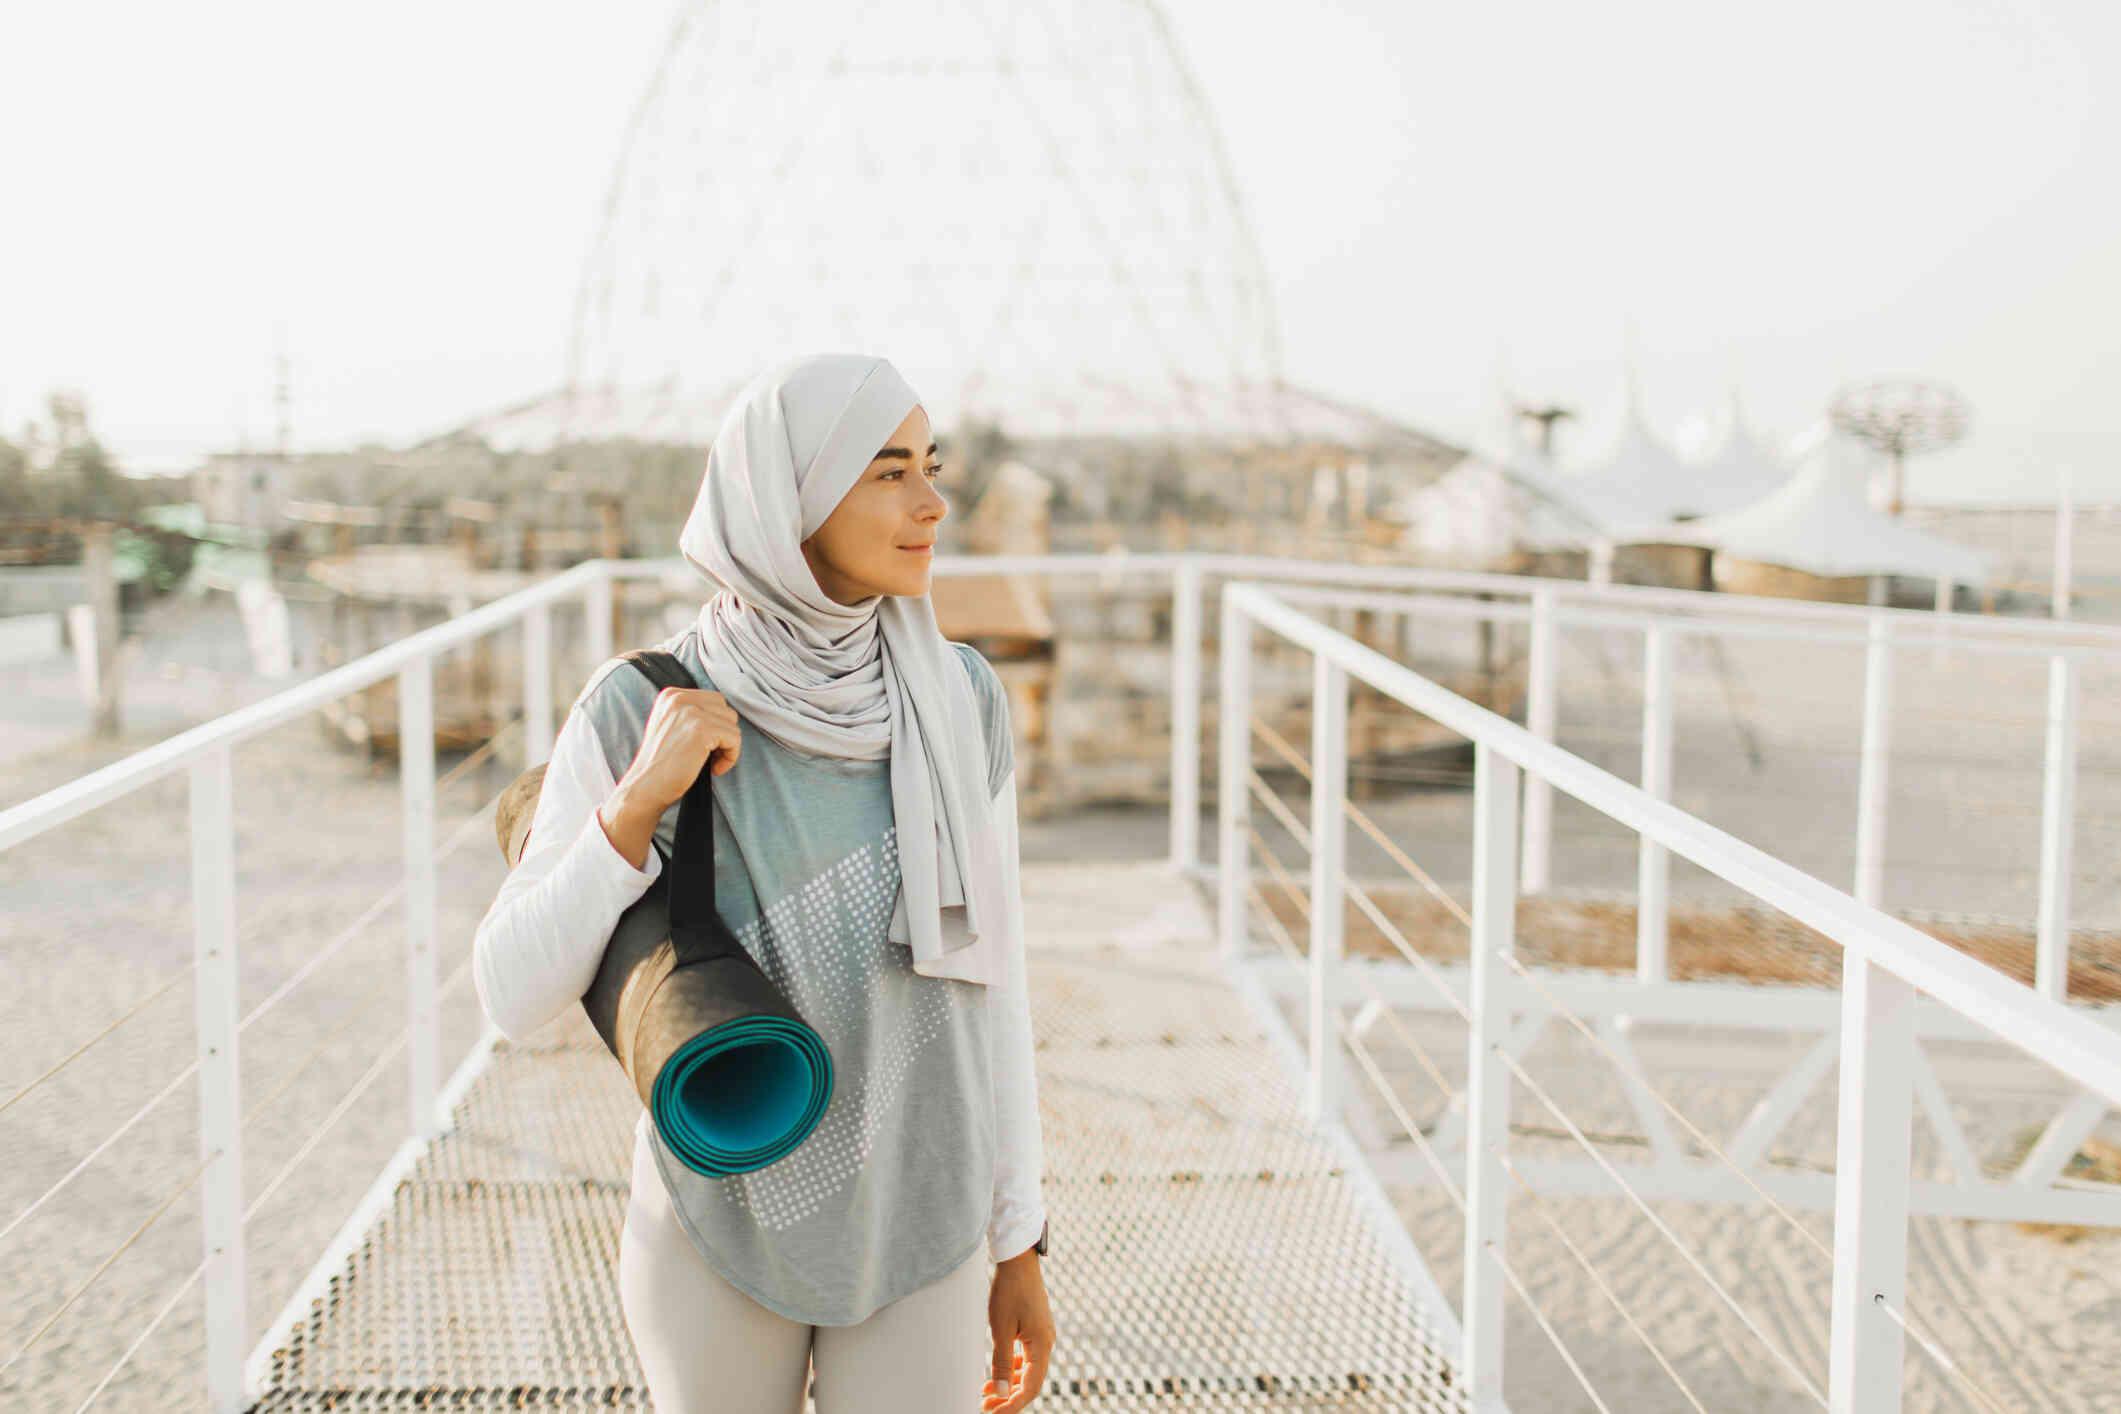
x=862, y=681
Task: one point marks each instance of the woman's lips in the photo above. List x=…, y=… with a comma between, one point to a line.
x=918, y=549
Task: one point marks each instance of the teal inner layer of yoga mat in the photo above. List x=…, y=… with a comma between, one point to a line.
x=742, y=1095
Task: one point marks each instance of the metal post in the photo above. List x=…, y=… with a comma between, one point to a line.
x=98, y=546
x=1653, y=870
x=1871, y=1173
x=537, y=684
x=1487, y=1073
x=213, y=903
x=1185, y=714
x=1943, y=607
x=1233, y=794
x=598, y=624
x=1539, y=714
x=416, y=790
x=1329, y=908
x=1870, y=785
x=2065, y=544
x=2057, y=829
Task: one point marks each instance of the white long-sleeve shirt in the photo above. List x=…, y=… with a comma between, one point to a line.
x=931, y=1140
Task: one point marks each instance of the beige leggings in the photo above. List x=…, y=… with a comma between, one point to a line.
x=707, y=1348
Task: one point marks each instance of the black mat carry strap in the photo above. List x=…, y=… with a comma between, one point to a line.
x=696, y=929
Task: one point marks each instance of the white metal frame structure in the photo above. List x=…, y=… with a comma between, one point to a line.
x=1875, y=1023
x=1887, y=963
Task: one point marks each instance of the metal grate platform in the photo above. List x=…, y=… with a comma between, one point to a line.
x=1209, y=1252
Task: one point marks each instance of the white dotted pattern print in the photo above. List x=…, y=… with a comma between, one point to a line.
x=811, y=944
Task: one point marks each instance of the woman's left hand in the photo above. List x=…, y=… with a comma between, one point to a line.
x=1017, y=1311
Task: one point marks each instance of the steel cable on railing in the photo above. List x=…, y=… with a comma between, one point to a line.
x=456, y=978
x=1428, y=1152
x=1590, y=1270
x=134, y=1010
x=115, y=1135
x=141, y=1339
x=464, y=830
x=1606, y=1166
x=1937, y=1353
x=1362, y=821
x=1275, y=807
x=149, y=1222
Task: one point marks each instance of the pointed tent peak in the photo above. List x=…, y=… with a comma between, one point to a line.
x=1735, y=464
x=1630, y=369
x=1635, y=482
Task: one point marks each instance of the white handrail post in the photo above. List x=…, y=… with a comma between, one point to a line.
x=1871, y=772
x=1233, y=789
x=1653, y=870
x=1329, y=831
x=1539, y=714
x=537, y=684
x=1487, y=1073
x=1871, y=1174
x=2057, y=829
x=213, y=903
x=1185, y=714
x=596, y=616
x=416, y=789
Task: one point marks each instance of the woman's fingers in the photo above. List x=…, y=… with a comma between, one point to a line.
x=1008, y=1395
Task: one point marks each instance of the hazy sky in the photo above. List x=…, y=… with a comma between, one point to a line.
x=1787, y=195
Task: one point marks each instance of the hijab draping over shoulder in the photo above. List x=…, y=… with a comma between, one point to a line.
x=861, y=681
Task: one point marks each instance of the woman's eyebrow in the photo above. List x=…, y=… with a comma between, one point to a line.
x=900, y=452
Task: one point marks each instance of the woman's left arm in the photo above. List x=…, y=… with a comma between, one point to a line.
x=1017, y=1309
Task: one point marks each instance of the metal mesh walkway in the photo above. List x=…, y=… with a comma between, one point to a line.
x=1209, y=1252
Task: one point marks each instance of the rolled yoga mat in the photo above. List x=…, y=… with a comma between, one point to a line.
x=732, y=1076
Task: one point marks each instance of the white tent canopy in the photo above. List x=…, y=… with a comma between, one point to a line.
x=1821, y=522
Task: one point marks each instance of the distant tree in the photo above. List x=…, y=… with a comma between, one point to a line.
x=82, y=471
x=14, y=479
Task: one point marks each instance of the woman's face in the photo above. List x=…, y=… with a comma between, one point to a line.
x=860, y=551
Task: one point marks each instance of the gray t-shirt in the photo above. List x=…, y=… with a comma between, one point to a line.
x=894, y=1186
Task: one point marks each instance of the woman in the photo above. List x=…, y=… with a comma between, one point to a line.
x=866, y=854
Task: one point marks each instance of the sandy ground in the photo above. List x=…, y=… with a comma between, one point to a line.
x=94, y=917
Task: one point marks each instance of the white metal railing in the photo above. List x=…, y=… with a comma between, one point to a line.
x=204, y=754
x=1886, y=963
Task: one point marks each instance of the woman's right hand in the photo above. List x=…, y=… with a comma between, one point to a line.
x=688, y=728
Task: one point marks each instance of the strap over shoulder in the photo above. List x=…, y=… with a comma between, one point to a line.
x=661, y=668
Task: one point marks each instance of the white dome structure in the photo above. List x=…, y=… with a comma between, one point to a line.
x=1029, y=212
x=1821, y=523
